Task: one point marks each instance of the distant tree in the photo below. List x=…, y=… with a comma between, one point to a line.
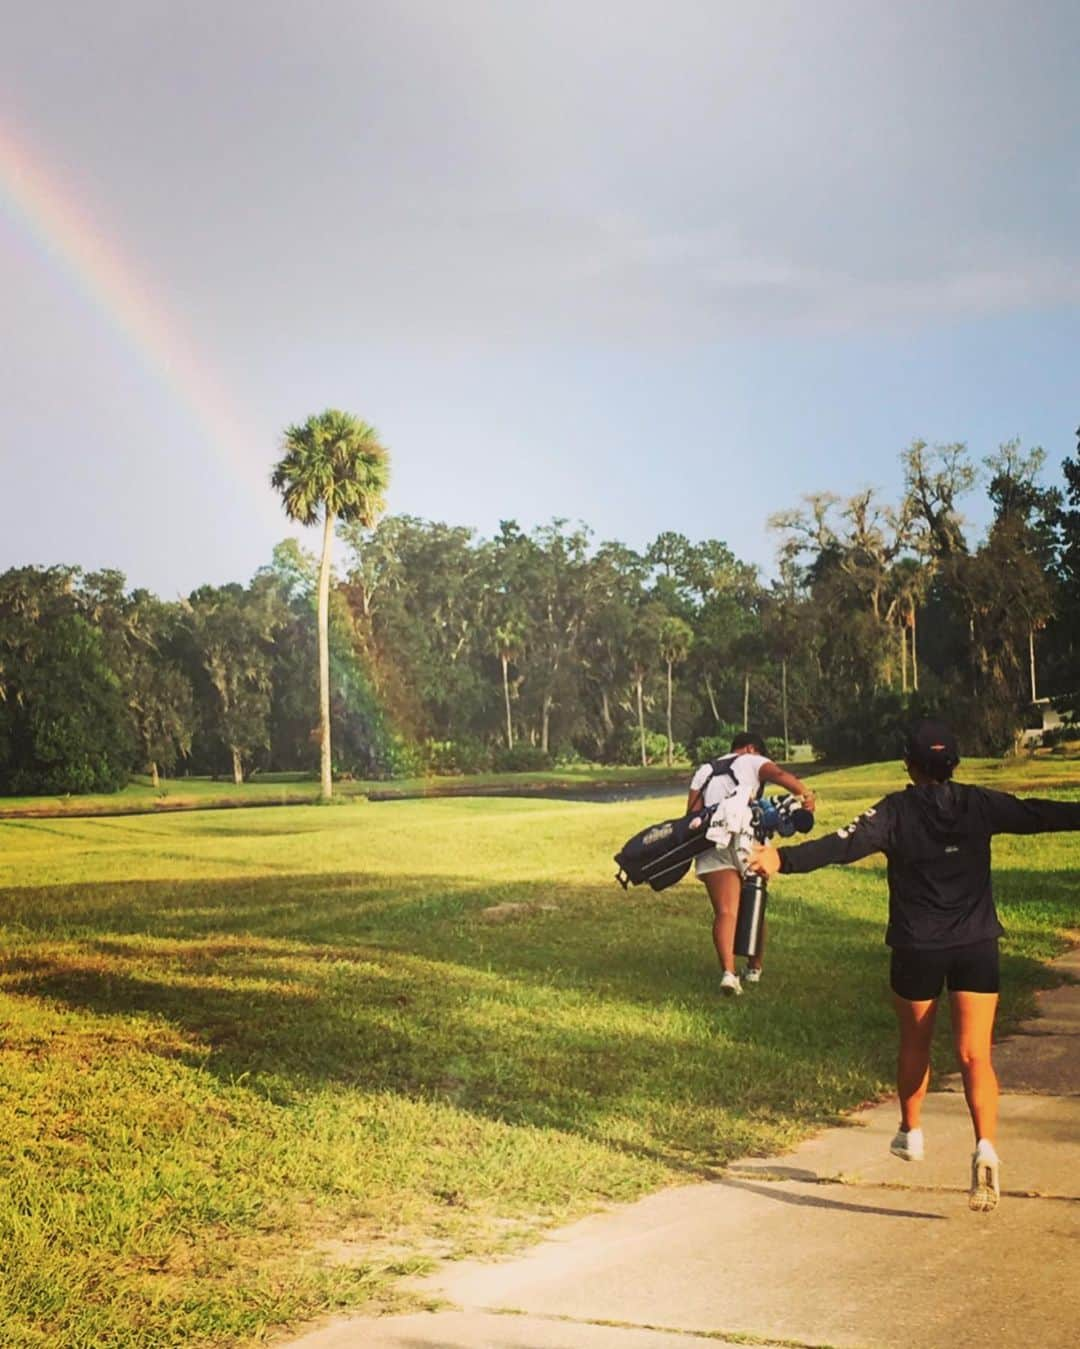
x=673, y=558
x=421, y=594
x=934, y=480
x=1006, y=596
x=614, y=579
x=293, y=729
x=726, y=609
x=844, y=552
x=675, y=637
x=643, y=647
x=787, y=629
x=64, y=726
x=508, y=642
x=335, y=466
x=1063, y=635
x=551, y=568
x=157, y=691
x=232, y=631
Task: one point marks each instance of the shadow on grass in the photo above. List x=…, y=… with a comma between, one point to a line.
x=605, y=1008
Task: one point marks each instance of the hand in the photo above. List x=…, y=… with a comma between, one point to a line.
x=764, y=860
x=808, y=801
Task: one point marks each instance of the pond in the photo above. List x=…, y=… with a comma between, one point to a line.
x=596, y=791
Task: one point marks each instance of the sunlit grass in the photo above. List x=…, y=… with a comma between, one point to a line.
x=172, y=794
x=255, y=1065
x=1029, y=772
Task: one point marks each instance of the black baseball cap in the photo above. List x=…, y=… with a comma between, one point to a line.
x=932, y=746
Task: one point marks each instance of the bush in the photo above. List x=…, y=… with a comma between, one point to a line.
x=712, y=746
x=627, y=747
x=401, y=758
x=521, y=759
x=449, y=757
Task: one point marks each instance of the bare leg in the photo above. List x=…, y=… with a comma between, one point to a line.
x=973, y=1030
x=724, y=888
x=916, y=1022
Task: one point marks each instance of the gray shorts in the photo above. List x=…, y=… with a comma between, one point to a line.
x=730, y=857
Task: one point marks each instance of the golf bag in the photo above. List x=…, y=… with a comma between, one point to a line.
x=662, y=854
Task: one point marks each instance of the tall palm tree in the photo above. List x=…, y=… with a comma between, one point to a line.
x=676, y=638
x=508, y=638
x=642, y=643
x=333, y=466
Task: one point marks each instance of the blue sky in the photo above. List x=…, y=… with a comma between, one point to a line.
x=650, y=266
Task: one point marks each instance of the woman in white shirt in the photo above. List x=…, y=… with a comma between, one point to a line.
x=731, y=783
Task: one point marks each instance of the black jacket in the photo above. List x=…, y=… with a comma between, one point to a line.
x=937, y=842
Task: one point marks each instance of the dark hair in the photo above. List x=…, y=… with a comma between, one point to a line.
x=750, y=740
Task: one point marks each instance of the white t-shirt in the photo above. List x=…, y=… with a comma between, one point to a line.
x=720, y=787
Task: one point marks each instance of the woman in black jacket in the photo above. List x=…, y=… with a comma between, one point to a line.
x=943, y=927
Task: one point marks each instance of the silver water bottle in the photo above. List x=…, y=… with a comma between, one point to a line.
x=751, y=920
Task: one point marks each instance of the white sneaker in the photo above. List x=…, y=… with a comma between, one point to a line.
x=751, y=975
x=985, y=1179
x=730, y=985
x=908, y=1145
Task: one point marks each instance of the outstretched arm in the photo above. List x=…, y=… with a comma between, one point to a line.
x=867, y=834
x=1029, y=815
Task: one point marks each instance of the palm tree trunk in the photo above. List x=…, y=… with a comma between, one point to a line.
x=670, y=758
x=914, y=654
x=154, y=779
x=325, y=761
x=1031, y=658
x=783, y=703
x=237, y=766
x=506, y=696
x=903, y=658
x=546, y=723
x=746, y=701
x=712, y=700
x=641, y=721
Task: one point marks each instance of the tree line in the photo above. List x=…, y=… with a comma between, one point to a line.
x=446, y=651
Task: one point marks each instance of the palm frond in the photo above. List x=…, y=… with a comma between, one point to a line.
x=333, y=462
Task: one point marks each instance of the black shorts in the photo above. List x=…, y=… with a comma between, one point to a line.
x=919, y=976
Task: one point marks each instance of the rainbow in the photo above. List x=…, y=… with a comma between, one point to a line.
x=66, y=237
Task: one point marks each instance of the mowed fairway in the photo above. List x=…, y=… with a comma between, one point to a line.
x=259, y=1064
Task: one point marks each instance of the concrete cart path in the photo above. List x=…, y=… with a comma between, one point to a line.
x=835, y=1243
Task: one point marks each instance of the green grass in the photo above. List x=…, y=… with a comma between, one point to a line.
x=1029, y=773
x=141, y=797
x=257, y=1065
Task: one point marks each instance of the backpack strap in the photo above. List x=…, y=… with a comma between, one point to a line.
x=723, y=766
